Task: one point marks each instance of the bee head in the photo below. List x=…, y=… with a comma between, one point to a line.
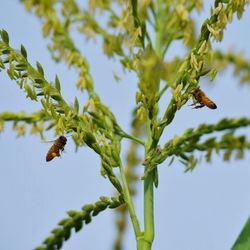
x=63, y=139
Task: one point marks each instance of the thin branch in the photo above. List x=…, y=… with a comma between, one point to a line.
x=130, y=205
x=174, y=146
x=76, y=220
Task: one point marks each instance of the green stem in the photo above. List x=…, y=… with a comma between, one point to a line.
x=148, y=212
x=149, y=182
x=148, y=201
x=133, y=138
x=131, y=209
x=158, y=43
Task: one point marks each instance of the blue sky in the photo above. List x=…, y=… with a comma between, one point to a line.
x=202, y=210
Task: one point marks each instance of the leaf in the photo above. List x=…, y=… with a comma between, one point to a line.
x=171, y=161
x=57, y=83
x=63, y=221
x=5, y=36
x=78, y=226
x=243, y=240
x=116, y=77
x=88, y=207
x=56, y=97
x=30, y=92
x=66, y=234
x=20, y=66
x=72, y=213
x=23, y=52
x=38, y=80
x=40, y=68
x=213, y=74
x=61, y=125
x=155, y=177
x=40, y=248
x=76, y=106
x=53, y=113
x=57, y=231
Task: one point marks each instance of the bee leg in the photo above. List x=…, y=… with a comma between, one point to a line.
x=199, y=106
x=191, y=104
x=61, y=151
x=59, y=155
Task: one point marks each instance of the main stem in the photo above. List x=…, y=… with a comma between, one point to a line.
x=148, y=201
x=148, y=212
x=149, y=180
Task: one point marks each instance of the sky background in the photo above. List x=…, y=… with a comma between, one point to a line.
x=202, y=210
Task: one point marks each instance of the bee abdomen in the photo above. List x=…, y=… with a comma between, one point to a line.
x=52, y=153
x=210, y=104
x=213, y=106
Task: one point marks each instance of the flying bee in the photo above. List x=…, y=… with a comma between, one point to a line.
x=202, y=99
x=56, y=148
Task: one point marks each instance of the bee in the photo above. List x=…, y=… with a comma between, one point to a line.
x=202, y=99
x=56, y=148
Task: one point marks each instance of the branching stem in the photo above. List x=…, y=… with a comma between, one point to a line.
x=133, y=138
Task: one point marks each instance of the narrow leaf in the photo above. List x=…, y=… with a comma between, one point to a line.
x=40, y=68
x=5, y=36
x=76, y=106
x=58, y=85
x=23, y=52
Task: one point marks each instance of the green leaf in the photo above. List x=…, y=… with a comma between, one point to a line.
x=155, y=177
x=116, y=77
x=38, y=80
x=23, y=52
x=56, y=96
x=40, y=68
x=20, y=66
x=76, y=106
x=58, y=85
x=63, y=221
x=49, y=241
x=40, y=248
x=89, y=138
x=78, y=226
x=53, y=113
x=66, y=234
x=213, y=74
x=60, y=125
x=59, y=243
x=6, y=52
x=88, y=207
x=57, y=231
x=30, y=92
x=72, y=213
x=40, y=93
x=5, y=36
x=243, y=240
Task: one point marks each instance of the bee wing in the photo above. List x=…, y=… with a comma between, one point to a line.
x=56, y=139
x=69, y=135
x=47, y=141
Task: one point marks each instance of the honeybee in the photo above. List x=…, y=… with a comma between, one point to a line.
x=202, y=99
x=56, y=148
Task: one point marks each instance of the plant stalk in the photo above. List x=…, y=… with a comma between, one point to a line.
x=148, y=200
x=148, y=212
x=131, y=209
x=149, y=181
